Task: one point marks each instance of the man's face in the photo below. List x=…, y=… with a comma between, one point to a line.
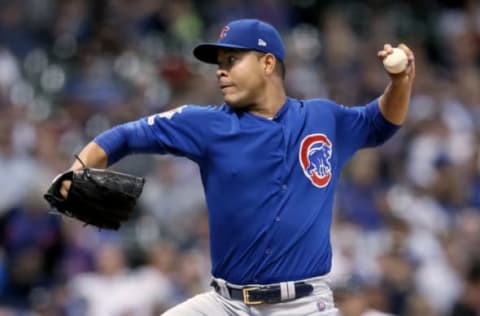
x=240, y=77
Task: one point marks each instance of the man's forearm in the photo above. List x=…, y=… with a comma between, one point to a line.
x=395, y=100
x=91, y=155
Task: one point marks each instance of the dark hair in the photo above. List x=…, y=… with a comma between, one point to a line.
x=279, y=65
x=280, y=69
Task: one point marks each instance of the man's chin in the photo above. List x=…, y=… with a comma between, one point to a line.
x=234, y=103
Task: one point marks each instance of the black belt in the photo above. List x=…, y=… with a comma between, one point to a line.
x=266, y=294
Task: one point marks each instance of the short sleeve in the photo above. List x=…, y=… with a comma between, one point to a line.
x=362, y=126
x=181, y=131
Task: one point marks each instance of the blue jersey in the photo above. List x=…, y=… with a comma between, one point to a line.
x=269, y=183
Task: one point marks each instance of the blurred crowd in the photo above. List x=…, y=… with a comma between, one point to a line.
x=406, y=233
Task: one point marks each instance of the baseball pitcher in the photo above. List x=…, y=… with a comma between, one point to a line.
x=269, y=165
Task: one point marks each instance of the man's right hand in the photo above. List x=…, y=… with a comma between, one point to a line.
x=66, y=184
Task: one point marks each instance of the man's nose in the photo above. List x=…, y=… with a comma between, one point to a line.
x=221, y=72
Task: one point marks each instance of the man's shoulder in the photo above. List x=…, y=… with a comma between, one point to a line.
x=221, y=109
x=319, y=102
x=195, y=111
x=320, y=106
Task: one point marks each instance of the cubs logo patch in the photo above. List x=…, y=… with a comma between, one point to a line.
x=314, y=155
x=223, y=32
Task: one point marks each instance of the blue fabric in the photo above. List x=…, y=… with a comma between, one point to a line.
x=249, y=34
x=269, y=184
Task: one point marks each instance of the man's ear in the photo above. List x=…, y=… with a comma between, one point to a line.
x=269, y=64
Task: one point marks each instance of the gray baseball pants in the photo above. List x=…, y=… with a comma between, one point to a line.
x=318, y=303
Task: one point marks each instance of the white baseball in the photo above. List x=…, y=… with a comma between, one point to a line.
x=396, y=62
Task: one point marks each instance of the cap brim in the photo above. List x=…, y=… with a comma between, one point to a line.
x=208, y=52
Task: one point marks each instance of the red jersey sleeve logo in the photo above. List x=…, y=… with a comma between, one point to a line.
x=314, y=155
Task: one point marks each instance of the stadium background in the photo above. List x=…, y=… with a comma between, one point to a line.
x=407, y=217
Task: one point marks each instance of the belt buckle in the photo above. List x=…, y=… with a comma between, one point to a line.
x=246, y=296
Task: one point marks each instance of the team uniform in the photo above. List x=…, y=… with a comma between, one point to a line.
x=269, y=187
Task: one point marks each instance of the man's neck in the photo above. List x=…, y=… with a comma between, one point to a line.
x=270, y=103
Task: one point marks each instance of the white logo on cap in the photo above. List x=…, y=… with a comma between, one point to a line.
x=261, y=42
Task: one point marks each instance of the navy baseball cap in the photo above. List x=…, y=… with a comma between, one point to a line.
x=247, y=34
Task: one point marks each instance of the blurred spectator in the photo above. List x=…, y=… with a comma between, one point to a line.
x=355, y=297
x=14, y=29
x=32, y=243
x=397, y=281
x=170, y=181
x=105, y=291
x=78, y=255
x=359, y=196
x=469, y=304
x=14, y=164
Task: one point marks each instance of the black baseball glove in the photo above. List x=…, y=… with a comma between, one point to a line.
x=97, y=197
